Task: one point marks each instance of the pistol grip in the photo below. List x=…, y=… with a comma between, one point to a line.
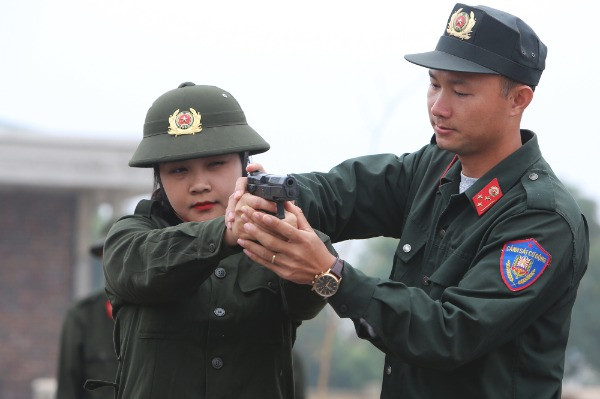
x=280, y=210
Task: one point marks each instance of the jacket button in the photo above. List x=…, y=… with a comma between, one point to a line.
x=220, y=272
x=212, y=247
x=388, y=370
x=406, y=248
x=217, y=363
x=533, y=176
x=442, y=233
x=219, y=312
x=426, y=280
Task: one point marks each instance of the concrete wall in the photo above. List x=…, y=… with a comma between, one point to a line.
x=37, y=262
x=51, y=189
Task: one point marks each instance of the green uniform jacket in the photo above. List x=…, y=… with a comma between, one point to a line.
x=447, y=320
x=195, y=320
x=86, y=349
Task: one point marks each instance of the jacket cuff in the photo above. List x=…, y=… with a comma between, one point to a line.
x=355, y=293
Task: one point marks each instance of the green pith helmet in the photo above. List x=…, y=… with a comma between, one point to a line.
x=195, y=122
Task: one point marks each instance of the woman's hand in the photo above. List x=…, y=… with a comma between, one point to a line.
x=240, y=189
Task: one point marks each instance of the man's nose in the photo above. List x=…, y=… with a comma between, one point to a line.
x=439, y=105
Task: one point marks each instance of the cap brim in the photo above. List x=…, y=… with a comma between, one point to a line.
x=446, y=62
x=209, y=142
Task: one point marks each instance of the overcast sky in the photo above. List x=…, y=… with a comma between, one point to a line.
x=322, y=81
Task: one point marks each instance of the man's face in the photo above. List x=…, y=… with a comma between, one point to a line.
x=468, y=112
x=198, y=189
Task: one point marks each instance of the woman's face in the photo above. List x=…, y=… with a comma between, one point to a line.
x=198, y=189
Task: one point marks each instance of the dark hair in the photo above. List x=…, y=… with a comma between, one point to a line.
x=507, y=84
x=159, y=195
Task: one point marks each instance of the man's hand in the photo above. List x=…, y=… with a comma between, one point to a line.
x=294, y=254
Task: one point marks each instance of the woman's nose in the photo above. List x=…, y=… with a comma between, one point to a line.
x=199, y=184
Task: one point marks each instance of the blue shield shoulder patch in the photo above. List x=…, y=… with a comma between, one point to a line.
x=522, y=262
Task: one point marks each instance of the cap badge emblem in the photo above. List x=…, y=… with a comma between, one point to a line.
x=185, y=122
x=461, y=24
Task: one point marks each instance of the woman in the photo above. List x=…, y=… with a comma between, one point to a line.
x=194, y=317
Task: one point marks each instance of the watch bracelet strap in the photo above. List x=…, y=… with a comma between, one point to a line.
x=337, y=267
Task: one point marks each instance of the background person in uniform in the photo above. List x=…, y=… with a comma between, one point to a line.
x=86, y=345
x=491, y=248
x=195, y=318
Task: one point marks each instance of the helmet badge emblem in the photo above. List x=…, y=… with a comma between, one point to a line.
x=185, y=122
x=461, y=24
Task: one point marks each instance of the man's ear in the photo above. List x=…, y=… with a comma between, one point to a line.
x=520, y=98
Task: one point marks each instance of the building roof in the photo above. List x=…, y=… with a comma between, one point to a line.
x=35, y=159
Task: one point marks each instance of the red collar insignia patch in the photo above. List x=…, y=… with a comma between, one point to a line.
x=108, y=308
x=522, y=262
x=487, y=197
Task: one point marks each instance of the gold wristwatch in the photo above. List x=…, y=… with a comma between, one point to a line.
x=327, y=283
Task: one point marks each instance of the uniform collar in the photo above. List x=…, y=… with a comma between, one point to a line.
x=506, y=173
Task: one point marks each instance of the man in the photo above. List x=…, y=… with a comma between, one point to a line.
x=491, y=245
x=86, y=345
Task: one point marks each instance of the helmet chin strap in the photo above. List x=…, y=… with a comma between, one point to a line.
x=245, y=162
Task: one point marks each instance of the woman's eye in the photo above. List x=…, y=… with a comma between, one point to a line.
x=216, y=164
x=178, y=170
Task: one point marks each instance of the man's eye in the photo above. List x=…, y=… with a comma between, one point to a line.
x=461, y=94
x=178, y=170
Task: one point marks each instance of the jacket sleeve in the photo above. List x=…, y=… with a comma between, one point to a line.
x=147, y=262
x=479, y=312
x=340, y=203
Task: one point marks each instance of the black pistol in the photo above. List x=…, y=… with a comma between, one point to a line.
x=276, y=188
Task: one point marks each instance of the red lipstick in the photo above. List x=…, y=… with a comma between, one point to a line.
x=204, y=206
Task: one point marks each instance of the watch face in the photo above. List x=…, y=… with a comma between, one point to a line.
x=326, y=285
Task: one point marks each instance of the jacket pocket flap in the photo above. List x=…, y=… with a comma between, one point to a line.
x=412, y=240
x=252, y=277
x=452, y=270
